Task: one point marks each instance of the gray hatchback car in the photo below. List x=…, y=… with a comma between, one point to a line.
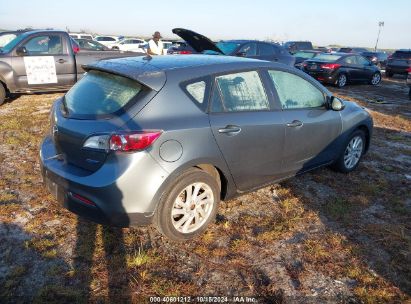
x=162, y=140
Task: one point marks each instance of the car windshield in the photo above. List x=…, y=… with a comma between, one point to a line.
x=6, y=38
x=305, y=55
x=327, y=57
x=11, y=45
x=227, y=47
x=100, y=93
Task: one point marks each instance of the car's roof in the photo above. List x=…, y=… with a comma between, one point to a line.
x=146, y=69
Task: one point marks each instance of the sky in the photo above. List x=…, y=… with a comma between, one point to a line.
x=348, y=23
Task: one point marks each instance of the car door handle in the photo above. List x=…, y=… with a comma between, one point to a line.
x=61, y=61
x=294, y=124
x=230, y=130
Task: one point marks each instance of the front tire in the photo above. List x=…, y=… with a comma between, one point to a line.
x=376, y=78
x=188, y=205
x=2, y=94
x=341, y=80
x=352, y=153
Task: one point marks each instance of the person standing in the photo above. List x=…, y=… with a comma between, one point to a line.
x=155, y=45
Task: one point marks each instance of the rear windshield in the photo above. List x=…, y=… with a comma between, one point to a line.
x=327, y=57
x=99, y=93
x=305, y=55
x=227, y=47
x=402, y=55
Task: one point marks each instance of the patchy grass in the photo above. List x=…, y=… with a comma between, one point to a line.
x=324, y=233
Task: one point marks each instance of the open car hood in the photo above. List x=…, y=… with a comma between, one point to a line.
x=197, y=41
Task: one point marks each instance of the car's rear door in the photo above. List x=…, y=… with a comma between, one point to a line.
x=49, y=63
x=368, y=69
x=266, y=51
x=249, y=133
x=311, y=129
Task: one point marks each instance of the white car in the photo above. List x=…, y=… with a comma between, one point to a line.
x=107, y=40
x=130, y=44
x=81, y=36
x=166, y=45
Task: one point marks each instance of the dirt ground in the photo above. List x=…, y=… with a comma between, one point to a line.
x=322, y=237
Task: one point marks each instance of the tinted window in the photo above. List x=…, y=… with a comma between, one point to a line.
x=265, y=49
x=105, y=39
x=250, y=49
x=362, y=61
x=242, y=92
x=48, y=44
x=305, y=55
x=99, y=93
x=197, y=90
x=227, y=47
x=350, y=60
x=295, y=92
x=402, y=55
x=86, y=37
x=327, y=57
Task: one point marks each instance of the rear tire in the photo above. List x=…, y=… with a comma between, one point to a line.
x=352, y=153
x=3, y=94
x=376, y=78
x=341, y=80
x=188, y=205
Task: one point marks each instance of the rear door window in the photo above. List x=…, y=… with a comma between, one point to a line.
x=250, y=49
x=242, y=92
x=99, y=93
x=295, y=92
x=265, y=49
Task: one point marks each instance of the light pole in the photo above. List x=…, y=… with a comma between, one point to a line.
x=380, y=25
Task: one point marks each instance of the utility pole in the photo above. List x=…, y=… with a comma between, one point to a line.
x=380, y=25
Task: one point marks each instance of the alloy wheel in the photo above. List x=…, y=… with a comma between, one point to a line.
x=353, y=152
x=376, y=78
x=192, y=207
x=342, y=80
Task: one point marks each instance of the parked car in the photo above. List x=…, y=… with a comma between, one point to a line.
x=130, y=44
x=378, y=58
x=324, y=49
x=357, y=50
x=81, y=36
x=181, y=48
x=91, y=45
x=242, y=48
x=44, y=61
x=162, y=140
x=301, y=56
x=294, y=46
x=341, y=68
x=398, y=63
x=107, y=40
x=409, y=82
x=166, y=45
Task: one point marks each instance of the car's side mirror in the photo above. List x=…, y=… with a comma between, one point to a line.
x=21, y=51
x=241, y=54
x=335, y=103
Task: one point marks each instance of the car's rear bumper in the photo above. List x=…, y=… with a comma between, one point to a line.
x=325, y=77
x=396, y=69
x=121, y=193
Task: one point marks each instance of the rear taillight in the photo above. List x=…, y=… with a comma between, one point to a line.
x=126, y=142
x=330, y=66
x=409, y=70
x=185, y=52
x=83, y=199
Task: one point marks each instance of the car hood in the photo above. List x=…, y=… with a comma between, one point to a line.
x=197, y=41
